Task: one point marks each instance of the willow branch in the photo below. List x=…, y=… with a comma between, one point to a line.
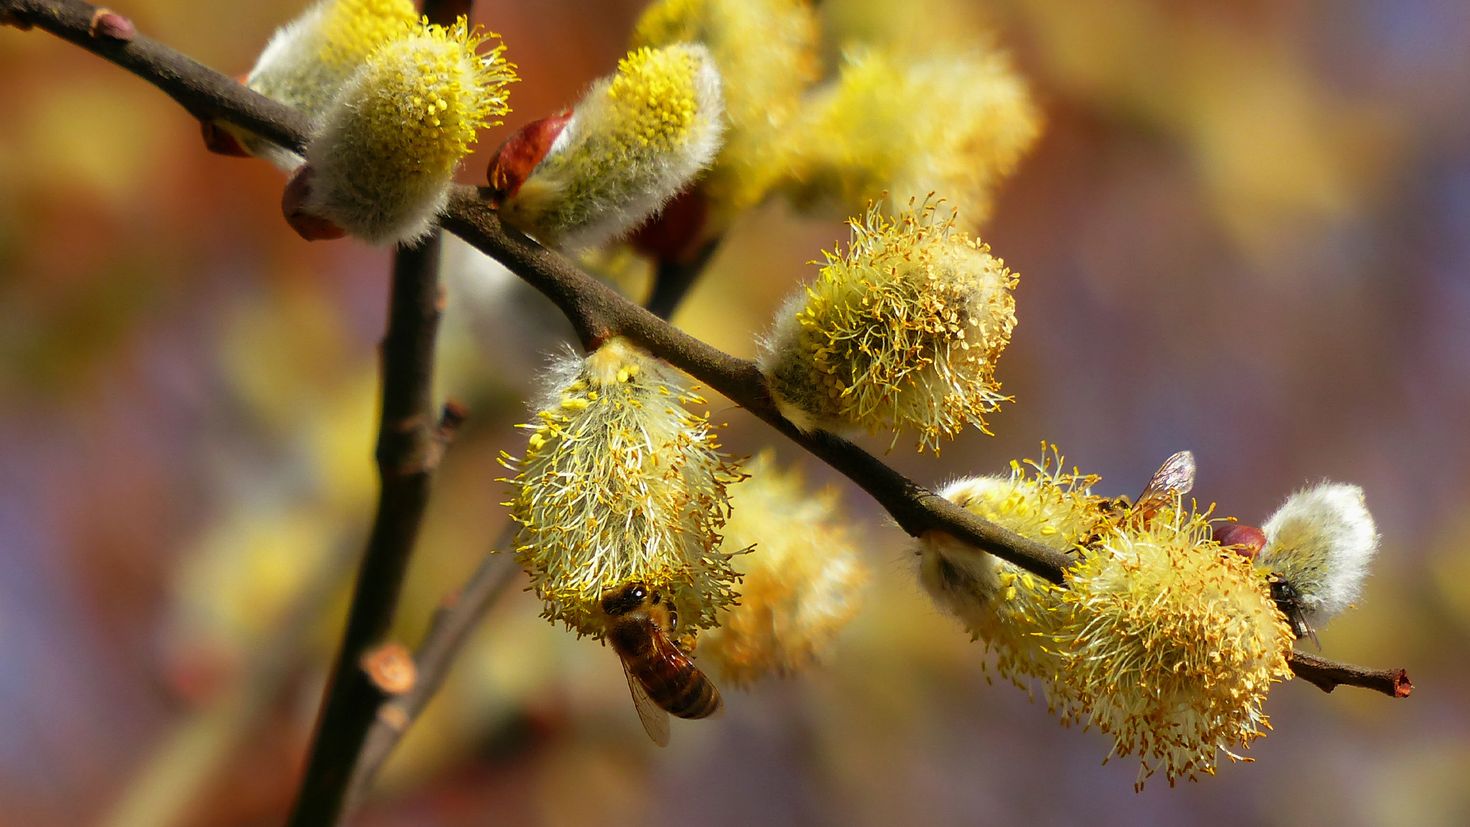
x=410, y=443
x=598, y=313
x=202, y=91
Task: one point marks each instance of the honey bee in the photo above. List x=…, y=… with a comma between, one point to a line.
x=661, y=675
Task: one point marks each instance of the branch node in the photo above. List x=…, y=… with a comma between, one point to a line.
x=394, y=717
x=451, y=418
x=391, y=669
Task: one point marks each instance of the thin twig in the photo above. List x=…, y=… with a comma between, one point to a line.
x=409, y=446
x=672, y=281
x=1327, y=675
x=410, y=443
x=450, y=630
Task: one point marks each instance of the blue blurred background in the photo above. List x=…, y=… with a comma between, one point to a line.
x=1246, y=232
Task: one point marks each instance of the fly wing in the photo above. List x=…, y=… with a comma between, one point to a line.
x=1174, y=477
x=655, y=720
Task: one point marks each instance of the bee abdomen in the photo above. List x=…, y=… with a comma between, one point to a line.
x=698, y=699
x=681, y=689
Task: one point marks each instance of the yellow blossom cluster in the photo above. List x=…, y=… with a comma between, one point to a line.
x=633, y=141
x=388, y=144
x=801, y=572
x=902, y=330
x=621, y=483
x=1159, y=637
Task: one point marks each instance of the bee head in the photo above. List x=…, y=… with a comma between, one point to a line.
x=624, y=599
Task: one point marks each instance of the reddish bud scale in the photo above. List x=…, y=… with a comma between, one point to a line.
x=521, y=152
x=1245, y=540
x=391, y=668
x=218, y=140
x=307, y=225
x=675, y=232
x=109, y=25
x=221, y=141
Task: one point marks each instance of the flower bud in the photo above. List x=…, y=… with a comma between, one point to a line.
x=388, y=144
x=953, y=123
x=901, y=331
x=801, y=578
x=633, y=141
x=767, y=55
x=1245, y=540
x=1320, y=541
x=621, y=484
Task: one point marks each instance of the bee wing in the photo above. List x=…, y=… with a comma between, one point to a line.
x=655, y=720
x=1175, y=476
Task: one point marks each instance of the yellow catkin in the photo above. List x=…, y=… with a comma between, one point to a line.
x=621, y=483
x=802, y=576
x=900, y=331
x=999, y=603
x=388, y=145
x=635, y=139
x=1159, y=637
x=1169, y=644
x=953, y=123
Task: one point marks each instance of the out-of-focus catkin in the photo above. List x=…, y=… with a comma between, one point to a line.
x=621, y=483
x=801, y=580
x=767, y=55
x=955, y=123
x=633, y=141
x=900, y=331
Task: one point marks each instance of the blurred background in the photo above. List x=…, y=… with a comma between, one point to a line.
x=1245, y=231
